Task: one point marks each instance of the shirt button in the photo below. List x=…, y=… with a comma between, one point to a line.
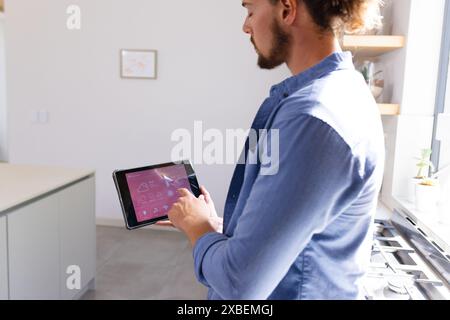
x=285, y=95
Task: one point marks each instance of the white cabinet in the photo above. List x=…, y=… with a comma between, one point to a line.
x=3, y=260
x=44, y=237
x=77, y=234
x=47, y=223
x=33, y=248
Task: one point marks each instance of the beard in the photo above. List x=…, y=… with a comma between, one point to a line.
x=278, y=52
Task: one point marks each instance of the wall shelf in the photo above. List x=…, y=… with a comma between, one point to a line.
x=372, y=45
x=389, y=109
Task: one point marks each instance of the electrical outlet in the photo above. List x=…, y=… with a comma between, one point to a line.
x=40, y=117
x=35, y=117
x=43, y=116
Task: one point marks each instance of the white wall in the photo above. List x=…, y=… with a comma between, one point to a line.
x=207, y=71
x=3, y=114
x=411, y=80
x=396, y=22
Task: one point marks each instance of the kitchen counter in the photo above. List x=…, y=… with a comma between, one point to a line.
x=22, y=183
x=47, y=232
x=383, y=212
x=437, y=230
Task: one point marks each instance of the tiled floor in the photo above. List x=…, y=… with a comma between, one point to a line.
x=144, y=264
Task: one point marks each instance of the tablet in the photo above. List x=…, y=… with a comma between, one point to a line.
x=146, y=194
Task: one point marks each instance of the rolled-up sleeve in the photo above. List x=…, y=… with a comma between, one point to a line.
x=318, y=177
x=201, y=247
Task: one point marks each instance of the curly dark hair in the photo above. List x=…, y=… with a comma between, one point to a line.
x=338, y=16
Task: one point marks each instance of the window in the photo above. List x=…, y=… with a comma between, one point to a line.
x=3, y=114
x=441, y=134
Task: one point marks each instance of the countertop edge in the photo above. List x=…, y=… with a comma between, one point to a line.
x=45, y=192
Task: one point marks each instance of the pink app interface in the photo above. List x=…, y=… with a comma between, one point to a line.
x=154, y=191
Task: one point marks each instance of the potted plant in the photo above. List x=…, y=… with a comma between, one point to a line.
x=426, y=184
x=373, y=79
x=424, y=164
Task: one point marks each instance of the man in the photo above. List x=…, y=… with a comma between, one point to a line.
x=304, y=232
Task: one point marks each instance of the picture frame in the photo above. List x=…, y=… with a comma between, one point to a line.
x=138, y=64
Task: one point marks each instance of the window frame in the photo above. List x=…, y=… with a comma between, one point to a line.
x=444, y=77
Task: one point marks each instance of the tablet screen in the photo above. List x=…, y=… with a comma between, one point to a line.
x=154, y=191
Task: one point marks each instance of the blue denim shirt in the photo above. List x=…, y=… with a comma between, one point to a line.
x=304, y=232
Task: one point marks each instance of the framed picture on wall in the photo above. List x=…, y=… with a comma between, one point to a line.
x=138, y=64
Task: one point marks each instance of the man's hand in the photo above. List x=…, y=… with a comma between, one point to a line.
x=194, y=216
x=215, y=219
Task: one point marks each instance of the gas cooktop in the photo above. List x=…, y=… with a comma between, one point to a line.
x=405, y=263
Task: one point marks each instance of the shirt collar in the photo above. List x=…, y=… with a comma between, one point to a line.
x=335, y=61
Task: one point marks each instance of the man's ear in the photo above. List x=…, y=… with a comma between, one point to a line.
x=288, y=11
